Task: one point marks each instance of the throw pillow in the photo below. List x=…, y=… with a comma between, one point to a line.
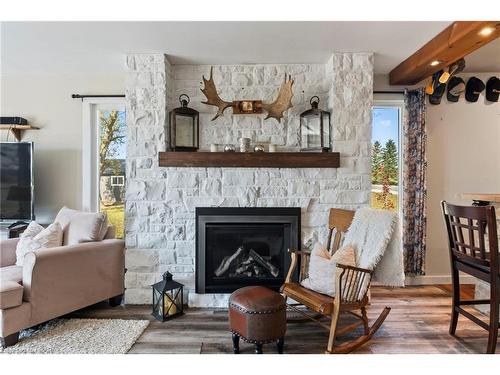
x=345, y=255
x=37, y=240
x=25, y=240
x=110, y=232
x=31, y=230
x=323, y=270
x=79, y=226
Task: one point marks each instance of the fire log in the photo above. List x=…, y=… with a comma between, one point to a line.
x=228, y=261
x=273, y=270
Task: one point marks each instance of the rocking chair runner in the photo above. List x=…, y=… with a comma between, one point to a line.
x=352, y=285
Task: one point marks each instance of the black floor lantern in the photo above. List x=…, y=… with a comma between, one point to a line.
x=167, y=298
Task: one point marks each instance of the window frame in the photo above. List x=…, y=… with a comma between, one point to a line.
x=121, y=179
x=90, y=144
x=391, y=101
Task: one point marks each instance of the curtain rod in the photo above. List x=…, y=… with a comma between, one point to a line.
x=388, y=92
x=78, y=96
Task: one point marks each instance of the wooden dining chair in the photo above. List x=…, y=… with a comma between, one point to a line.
x=468, y=228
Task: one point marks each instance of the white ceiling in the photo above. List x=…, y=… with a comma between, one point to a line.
x=485, y=59
x=100, y=47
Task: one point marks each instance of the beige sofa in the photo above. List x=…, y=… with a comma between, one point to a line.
x=56, y=281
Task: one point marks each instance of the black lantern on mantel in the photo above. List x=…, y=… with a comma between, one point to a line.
x=167, y=298
x=184, y=125
x=315, y=128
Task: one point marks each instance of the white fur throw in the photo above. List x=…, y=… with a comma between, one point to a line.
x=375, y=234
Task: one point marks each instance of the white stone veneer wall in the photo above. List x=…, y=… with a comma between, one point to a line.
x=160, y=229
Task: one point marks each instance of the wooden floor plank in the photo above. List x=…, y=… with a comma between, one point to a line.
x=417, y=323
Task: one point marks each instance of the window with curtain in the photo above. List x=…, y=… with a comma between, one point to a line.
x=104, y=150
x=387, y=117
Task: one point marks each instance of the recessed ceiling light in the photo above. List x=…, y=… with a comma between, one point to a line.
x=485, y=31
x=435, y=62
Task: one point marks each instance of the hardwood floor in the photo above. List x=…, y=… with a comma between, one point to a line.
x=418, y=323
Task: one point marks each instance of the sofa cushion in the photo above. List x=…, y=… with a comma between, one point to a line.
x=79, y=226
x=11, y=294
x=11, y=273
x=47, y=238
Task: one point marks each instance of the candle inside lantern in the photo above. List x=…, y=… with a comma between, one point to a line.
x=169, y=306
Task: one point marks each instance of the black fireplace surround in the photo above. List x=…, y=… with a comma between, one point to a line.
x=237, y=247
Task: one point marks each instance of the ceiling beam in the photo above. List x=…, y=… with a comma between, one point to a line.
x=456, y=41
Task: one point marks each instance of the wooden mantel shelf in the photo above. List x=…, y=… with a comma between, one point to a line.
x=250, y=159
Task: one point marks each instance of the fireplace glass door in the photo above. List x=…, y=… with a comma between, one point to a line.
x=242, y=254
x=238, y=247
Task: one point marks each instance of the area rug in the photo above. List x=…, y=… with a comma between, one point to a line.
x=80, y=336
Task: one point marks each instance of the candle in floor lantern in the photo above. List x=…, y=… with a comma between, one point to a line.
x=169, y=306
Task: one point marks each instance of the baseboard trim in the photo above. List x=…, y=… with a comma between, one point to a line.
x=433, y=280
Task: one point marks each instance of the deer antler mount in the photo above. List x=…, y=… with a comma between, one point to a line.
x=275, y=109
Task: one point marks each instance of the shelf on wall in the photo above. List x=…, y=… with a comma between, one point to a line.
x=17, y=130
x=250, y=159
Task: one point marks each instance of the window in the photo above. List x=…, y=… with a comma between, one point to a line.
x=104, y=155
x=117, y=180
x=387, y=117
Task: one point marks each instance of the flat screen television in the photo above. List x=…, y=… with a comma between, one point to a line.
x=16, y=181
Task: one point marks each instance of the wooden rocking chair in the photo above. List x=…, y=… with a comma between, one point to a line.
x=352, y=285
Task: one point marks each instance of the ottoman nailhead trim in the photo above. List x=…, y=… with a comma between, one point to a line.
x=256, y=312
x=255, y=341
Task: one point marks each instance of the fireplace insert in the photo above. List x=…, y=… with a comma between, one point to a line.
x=237, y=247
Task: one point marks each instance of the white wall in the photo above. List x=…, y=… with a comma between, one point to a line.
x=463, y=154
x=46, y=102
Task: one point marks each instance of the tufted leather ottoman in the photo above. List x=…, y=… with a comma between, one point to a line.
x=258, y=316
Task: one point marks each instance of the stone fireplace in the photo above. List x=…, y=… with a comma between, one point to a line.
x=237, y=247
x=161, y=202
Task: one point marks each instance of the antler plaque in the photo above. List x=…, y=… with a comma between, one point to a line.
x=275, y=109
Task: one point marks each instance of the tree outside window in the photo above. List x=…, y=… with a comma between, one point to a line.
x=112, y=154
x=385, y=158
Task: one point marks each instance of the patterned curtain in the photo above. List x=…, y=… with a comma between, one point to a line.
x=414, y=182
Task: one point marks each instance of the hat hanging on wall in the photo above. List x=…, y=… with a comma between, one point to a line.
x=438, y=89
x=473, y=88
x=456, y=86
x=429, y=87
x=455, y=68
x=433, y=82
x=492, y=89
